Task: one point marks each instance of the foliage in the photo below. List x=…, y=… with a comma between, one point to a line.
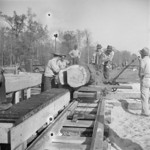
x=26, y=39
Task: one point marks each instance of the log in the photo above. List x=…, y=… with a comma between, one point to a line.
x=75, y=76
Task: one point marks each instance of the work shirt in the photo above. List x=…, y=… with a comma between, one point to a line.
x=52, y=67
x=107, y=57
x=144, y=69
x=96, y=56
x=75, y=53
x=63, y=64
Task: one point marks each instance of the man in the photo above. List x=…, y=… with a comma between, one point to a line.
x=3, y=101
x=75, y=55
x=107, y=57
x=96, y=60
x=51, y=70
x=63, y=63
x=144, y=74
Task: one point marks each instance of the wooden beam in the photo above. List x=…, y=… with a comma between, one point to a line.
x=61, y=146
x=80, y=123
x=76, y=130
x=28, y=93
x=22, y=81
x=72, y=139
x=87, y=105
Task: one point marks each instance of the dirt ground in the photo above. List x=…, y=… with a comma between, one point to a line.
x=128, y=129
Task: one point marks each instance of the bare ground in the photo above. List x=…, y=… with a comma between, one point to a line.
x=128, y=130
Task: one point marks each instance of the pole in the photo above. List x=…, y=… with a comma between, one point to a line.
x=55, y=35
x=55, y=44
x=88, y=50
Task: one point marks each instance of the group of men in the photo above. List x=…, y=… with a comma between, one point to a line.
x=57, y=63
x=102, y=59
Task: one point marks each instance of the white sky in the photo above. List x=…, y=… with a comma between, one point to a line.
x=121, y=23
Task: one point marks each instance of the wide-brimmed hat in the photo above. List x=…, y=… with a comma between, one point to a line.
x=109, y=48
x=99, y=46
x=59, y=54
x=144, y=51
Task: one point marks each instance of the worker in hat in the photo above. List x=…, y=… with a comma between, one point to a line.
x=63, y=63
x=51, y=71
x=144, y=75
x=107, y=57
x=96, y=56
x=75, y=54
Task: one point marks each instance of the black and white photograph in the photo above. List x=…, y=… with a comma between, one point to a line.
x=74, y=74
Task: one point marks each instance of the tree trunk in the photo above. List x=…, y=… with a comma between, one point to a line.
x=76, y=75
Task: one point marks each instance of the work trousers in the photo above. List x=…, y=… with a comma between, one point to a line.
x=75, y=60
x=2, y=89
x=49, y=82
x=106, y=71
x=144, y=88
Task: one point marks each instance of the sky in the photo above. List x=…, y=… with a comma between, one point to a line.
x=123, y=24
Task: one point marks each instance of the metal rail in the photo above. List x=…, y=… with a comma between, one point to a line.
x=79, y=126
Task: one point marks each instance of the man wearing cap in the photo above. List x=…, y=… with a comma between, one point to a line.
x=51, y=70
x=144, y=74
x=75, y=55
x=107, y=57
x=63, y=63
x=96, y=56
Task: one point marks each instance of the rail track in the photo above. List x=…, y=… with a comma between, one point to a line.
x=53, y=121
x=80, y=126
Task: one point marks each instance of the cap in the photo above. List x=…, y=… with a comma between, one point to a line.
x=144, y=51
x=109, y=48
x=58, y=54
x=99, y=46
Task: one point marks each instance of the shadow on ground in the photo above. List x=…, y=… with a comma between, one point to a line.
x=125, y=106
x=122, y=143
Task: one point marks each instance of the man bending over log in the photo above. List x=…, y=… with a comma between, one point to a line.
x=52, y=69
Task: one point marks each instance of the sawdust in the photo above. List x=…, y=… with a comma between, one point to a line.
x=129, y=130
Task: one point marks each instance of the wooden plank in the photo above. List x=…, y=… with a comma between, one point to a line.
x=83, y=116
x=71, y=139
x=80, y=123
x=98, y=131
x=87, y=105
x=93, y=110
x=84, y=94
x=32, y=124
x=78, y=130
x=22, y=81
x=28, y=93
x=61, y=146
x=4, y=130
x=17, y=97
x=100, y=87
x=120, y=95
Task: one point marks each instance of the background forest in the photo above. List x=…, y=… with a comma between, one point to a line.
x=23, y=38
